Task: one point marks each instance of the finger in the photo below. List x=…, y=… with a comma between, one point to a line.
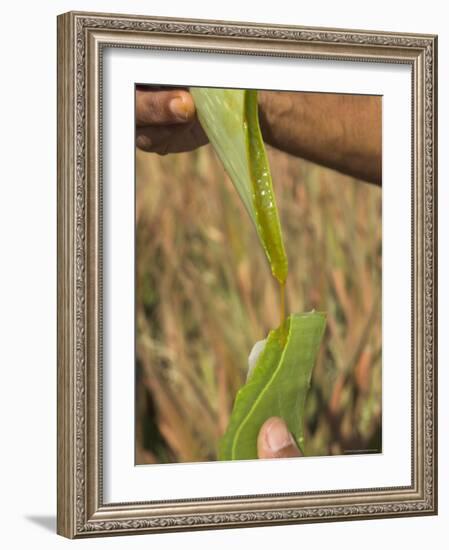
x=275, y=440
x=163, y=107
x=170, y=139
x=153, y=138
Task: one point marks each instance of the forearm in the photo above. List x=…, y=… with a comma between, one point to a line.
x=342, y=132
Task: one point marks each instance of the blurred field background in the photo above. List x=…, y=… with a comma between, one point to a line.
x=205, y=295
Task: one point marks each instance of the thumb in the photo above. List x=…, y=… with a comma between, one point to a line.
x=162, y=107
x=275, y=440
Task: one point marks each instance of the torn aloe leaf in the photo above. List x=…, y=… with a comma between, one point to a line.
x=280, y=380
x=277, y=386
x=230, y=120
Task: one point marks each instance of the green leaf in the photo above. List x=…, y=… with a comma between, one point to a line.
x=230, y=120
x=279, y=382
x=277, y=386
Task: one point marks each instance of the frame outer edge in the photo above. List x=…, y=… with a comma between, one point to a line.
x=78, y=491
x=434, y=296
x=66, y=505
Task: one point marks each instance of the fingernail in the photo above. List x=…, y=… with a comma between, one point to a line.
x=179, y=108
x=277, y=435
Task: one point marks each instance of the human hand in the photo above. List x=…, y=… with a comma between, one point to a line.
x=275, y=441
x=166, y=121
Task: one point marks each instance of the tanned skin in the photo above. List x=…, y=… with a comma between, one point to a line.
x=342, y=132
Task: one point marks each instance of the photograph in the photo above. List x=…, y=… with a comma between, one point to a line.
x=258, y=274
x=247, y=283
x=220, y=290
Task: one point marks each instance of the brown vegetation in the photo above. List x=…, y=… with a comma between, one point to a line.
x=204, y=295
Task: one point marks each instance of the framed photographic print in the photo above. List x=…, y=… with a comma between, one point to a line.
x=246, y=274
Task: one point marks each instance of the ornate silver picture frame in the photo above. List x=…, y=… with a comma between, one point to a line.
x=82, y=40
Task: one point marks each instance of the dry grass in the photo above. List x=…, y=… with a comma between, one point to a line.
x=205, y=295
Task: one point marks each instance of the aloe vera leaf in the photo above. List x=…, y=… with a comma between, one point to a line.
x=230, y=120
x=277, y=386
